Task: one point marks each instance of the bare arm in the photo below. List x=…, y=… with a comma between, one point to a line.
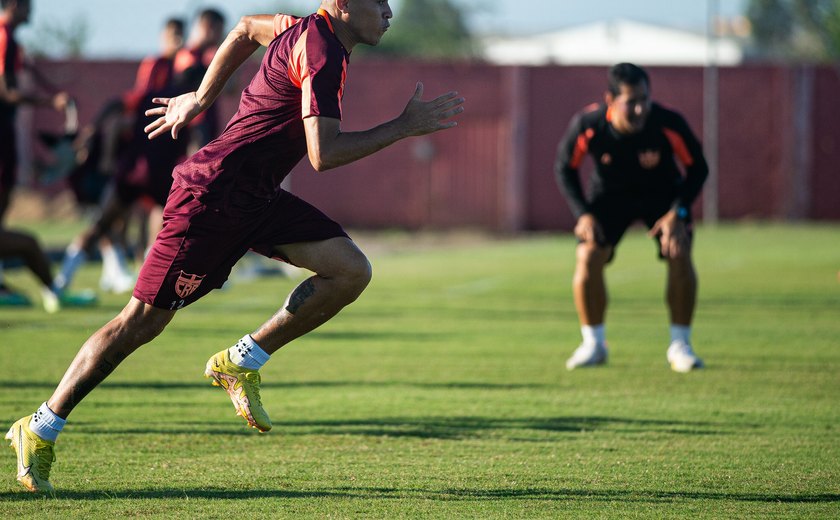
x=241, y=42
x=328, y=147
x=16, y=97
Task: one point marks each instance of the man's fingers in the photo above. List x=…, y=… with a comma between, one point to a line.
x=444, y=98
x=451, y=113
x=161, y=100
x=157, y=111
x=154, y=124
x=449, y=104
x=158, y=132
x=418, y=91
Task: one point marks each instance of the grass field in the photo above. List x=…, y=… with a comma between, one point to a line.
x=442, y=393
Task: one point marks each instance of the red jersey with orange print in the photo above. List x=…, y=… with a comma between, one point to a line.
x=302, y=75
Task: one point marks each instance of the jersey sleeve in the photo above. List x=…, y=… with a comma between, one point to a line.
x=319, y=71
x=689, y=152
x=570, y=154
x=283, y=22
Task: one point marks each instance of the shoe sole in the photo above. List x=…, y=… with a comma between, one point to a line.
x=686, y=369
x=602, y=361
x=221, y=380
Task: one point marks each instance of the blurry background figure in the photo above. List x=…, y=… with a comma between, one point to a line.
x=191, y=62
x=15, y=13
x=139, y=170
x=15, y=244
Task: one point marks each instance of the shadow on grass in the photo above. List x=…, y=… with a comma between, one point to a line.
x=204, y=384
x=524, y=429
x=464, y=494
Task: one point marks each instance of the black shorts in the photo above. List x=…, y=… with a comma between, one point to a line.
x=616, y=212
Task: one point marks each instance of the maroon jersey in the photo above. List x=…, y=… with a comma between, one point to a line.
x=301, y=75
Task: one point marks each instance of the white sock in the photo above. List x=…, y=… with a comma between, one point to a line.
x=113, y=262
x=593, y=334
x=681, y=333
x=247, y=354
x=74, y=257
x=46, y=424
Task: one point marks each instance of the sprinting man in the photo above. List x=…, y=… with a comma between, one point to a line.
x=635, y=145
x=226, y=199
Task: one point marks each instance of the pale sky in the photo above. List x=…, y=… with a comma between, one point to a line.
x=129, y=28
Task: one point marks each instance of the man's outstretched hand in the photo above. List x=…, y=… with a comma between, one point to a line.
x=424, y=117
x=175, y=114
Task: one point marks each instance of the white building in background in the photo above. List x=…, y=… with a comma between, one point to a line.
x=609, y=42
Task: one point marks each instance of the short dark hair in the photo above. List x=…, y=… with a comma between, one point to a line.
x=626, y=74
x=5, y=3
x=176, y=24
x=212, y=16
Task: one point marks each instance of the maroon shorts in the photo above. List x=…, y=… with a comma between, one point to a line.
x=199, y=244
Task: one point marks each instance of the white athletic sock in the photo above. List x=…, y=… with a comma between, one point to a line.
x=593, y=334
x=74, y=257
x=681, y=333
x=46, y=424
x=113, y=261
x=247, y=354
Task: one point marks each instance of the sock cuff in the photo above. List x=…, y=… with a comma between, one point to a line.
x=247, y=353
x=46, y=424
x=681, y=333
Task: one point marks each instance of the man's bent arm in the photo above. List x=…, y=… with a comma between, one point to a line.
x=328, y=147
x=249, y=34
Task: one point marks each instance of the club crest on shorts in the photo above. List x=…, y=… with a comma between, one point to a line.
x=649, y=159
x=187, y=284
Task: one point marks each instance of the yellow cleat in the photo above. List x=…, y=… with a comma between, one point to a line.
x=243, y=387
x=34, y=456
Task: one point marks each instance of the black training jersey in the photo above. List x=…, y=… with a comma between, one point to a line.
x=639, y=164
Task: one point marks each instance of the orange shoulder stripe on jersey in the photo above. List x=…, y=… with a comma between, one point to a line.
x=326, y=17
x=581, y=147
x=679, y=146
x=283, y=22
x=297, y=67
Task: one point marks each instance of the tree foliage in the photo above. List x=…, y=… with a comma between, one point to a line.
x=434, y=29
x=58, y=39
x=796, y=29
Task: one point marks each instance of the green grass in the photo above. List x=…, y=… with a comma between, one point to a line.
x=442, y=393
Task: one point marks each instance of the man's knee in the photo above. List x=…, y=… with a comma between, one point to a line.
x=357, y=271
x=591, y=256
x=141, y=322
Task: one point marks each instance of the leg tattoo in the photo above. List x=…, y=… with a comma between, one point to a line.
x=299, y=296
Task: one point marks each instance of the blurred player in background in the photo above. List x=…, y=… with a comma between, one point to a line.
x=16, y=244
x=227, y=199
x=191, y=64
x=14, y=13
x=141, y=170
x=635, y=145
